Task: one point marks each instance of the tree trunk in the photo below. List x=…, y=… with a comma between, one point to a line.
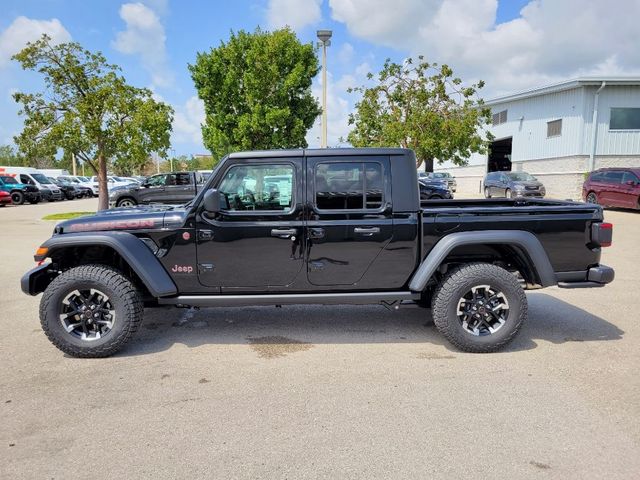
x=103, y=192
x=428, y=164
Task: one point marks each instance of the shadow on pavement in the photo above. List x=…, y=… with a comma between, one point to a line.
x=550, y=319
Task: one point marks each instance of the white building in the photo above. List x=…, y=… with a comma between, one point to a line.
x=559, y=132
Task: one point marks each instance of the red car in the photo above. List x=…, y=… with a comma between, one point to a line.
x=613, y=187
x=5, y=198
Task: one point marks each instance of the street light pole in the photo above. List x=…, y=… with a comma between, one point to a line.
x=325, y=41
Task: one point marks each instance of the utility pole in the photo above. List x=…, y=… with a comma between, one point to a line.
x=325, y=40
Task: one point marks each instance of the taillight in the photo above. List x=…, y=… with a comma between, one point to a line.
x=602, y=234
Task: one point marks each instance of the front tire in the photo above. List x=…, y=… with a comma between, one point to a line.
x=17, y=198
x=90, y=311
x=126, y=202
x=479, y=307
x=486, y=193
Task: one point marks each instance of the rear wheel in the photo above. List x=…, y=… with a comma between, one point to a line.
x=90, y=311
x=479, y=307
x=486, y=193
x=17, y=198
x=592, y=198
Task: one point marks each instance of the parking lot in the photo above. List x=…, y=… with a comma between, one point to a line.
x=324, y=392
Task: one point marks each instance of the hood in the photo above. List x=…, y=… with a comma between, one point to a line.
x=150, y=217
x=531, y=183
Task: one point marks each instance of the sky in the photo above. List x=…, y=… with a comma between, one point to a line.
x=510, y=44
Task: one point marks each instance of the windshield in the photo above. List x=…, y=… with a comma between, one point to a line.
x=521, y=176
x=10, y=180
x=40, y=178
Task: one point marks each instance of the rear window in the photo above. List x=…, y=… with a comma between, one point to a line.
x=349, y=186
x=613, y=177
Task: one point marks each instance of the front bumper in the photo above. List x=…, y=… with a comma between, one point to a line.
x=594, y=277
x=36, y=280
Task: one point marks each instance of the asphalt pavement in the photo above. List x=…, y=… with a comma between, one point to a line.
x=324, y=392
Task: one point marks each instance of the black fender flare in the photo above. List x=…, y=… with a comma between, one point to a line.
x=137, y=255
x=526, y=242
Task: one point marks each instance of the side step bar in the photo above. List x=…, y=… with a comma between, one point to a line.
x=361, y=298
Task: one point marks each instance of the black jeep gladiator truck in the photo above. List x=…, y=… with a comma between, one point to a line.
x=337, y=226
x=174, y=187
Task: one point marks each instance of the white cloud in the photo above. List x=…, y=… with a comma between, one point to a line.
x=549, y=41
x=145, y=36
x=345, y=53
x=23, y=30
x=187, y=121
x=294, y=13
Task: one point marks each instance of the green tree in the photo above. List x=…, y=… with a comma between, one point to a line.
x=88, y=108
x=421, y=106
x=256, y=90
x=9, y=157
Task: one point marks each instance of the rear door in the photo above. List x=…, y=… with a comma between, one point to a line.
x=178, y=188
x=612, y=189
x=350, y=220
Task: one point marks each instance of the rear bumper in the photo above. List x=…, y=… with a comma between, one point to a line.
x=594, y=277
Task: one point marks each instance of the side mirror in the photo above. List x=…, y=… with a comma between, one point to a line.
x=212, y=201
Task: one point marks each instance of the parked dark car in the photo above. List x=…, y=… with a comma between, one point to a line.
x=512, y=185
x=446, y=177
x=613, y=187
x=323, y=226
x=175, y=187
x=69, y=191
x=19, y=191
x=433, y=190
x=5, y=198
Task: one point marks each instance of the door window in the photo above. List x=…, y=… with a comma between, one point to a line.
x=26, y=180
x=629, y=177
x=260, y=187
x=156, y=180
x=613, y=177
x=349, y=186
x=182, y=179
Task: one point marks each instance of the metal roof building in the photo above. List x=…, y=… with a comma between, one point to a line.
x=558, y=132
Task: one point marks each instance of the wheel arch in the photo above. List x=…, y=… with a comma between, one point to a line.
x=122, y=248
x=519, y=246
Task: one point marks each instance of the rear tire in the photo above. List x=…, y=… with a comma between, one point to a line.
x=17, y=198
x=72, y=300
x=479, y=307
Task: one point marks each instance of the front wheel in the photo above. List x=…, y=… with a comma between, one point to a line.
x=592, y=198
x=90, y=311
x=479, y=307
x=126, y=202
x=17, y=198
x=486, y=193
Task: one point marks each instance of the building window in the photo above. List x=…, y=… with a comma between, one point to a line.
x=554, y=128
x=500, y=117
x=625, y=119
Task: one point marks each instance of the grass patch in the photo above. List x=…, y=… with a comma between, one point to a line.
x=67, y=215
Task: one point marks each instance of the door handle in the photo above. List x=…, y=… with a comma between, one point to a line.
x=368, y=231
x=283, y=232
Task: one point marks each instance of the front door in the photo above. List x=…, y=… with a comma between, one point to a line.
x=152, y=190
x=257, y=241
x=350, y=221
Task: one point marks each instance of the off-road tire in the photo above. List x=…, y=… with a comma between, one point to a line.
x=459, y=281
x=124, y=296
x=17, y=198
